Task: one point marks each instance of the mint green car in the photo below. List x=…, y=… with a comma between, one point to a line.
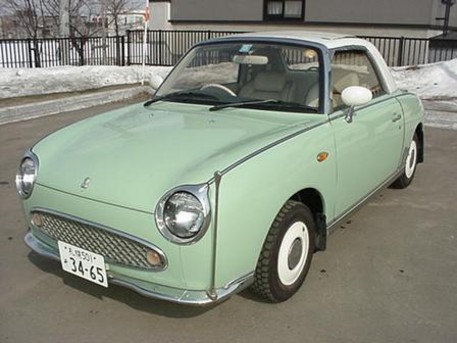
x=251, y=151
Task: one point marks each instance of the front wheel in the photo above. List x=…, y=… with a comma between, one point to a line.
x=286, y=253
x=405, y=179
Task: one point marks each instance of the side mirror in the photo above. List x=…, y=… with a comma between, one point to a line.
x=355, y=96
x=155, y=81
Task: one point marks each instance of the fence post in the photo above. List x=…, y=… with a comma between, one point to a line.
x=127, y=32
x=122, y=57
x=83, y=60
x=160, y=47
x=401, y=51
x=30, y=53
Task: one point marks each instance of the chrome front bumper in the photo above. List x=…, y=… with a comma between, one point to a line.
x=180, y=296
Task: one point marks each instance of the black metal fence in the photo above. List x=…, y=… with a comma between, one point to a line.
x=401, y=51
x=51, y=52
x=164, y=48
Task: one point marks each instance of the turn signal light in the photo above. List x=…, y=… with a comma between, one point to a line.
x=322, y=156
x=37, y=220
x=153, y=258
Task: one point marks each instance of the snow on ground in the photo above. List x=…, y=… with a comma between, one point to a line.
x=429, y=81
x=39, y=81
x=435, y=83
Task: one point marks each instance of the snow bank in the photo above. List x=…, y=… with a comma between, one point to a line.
x=436, y=81
x=28, y=82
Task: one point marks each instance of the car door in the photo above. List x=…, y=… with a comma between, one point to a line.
x=368, y=148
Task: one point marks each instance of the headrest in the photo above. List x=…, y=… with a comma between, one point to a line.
x=270, y=81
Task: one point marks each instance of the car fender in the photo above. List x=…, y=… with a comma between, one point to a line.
x=252, y=194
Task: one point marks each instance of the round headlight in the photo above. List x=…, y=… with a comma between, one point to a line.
x=26, y=176
x=182, y=215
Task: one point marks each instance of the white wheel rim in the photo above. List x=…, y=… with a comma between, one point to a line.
x=297, y=231
x=411, y=160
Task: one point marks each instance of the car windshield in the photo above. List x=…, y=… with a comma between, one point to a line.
x=251, y=75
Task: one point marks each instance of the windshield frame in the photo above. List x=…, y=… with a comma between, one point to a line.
x=322, y=52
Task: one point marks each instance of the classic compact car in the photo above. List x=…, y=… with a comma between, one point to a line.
x=250, y=152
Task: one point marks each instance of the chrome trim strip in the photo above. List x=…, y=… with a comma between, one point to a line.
x=334, y=223
x=113, y=231
x=187, y=297
x=201, y=193
x=376, y=101
x=180, y=296
x=212, y=290
x=267, y=147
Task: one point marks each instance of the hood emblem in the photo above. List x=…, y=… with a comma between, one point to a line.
x=85, y=183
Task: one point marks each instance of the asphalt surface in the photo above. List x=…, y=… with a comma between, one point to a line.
x=389, y=274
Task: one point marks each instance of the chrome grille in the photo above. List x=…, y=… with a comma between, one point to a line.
x=113, y=247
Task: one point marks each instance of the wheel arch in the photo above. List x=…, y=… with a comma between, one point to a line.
x=314, y=200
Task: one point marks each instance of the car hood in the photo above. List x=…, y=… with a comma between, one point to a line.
x=133, y=156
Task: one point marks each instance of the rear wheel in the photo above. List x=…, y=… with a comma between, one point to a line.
x=405, y=179
x=286, y=254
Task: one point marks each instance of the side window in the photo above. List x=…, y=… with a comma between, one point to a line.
x=352, y=68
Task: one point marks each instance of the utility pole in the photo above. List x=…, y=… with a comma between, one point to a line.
x=447, y=13
x=104, y=22
x=64, y=31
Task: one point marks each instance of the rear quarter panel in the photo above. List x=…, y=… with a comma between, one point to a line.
x=413, y=114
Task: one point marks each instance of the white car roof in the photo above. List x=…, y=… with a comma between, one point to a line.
x=329, y=40
x=332, y=41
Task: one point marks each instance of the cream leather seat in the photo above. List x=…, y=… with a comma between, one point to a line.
x=268, y=85
x=341, y=79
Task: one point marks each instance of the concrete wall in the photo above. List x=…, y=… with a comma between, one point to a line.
x=239, y=10
x=409, y=12
x=372, y=12
x=160, y=16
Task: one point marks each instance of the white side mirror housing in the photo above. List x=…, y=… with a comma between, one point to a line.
x=356, y=96
x=155, y=81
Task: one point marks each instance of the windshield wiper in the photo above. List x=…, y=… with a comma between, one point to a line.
x=280, y=103
x=174, y=95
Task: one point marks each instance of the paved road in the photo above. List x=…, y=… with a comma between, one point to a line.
x=389, y=275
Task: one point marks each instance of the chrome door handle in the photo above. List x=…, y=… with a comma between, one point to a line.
x=396, y=117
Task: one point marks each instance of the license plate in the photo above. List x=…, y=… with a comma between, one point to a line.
x=83, y=263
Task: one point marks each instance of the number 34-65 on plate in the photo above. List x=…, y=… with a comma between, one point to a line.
x=83, y=263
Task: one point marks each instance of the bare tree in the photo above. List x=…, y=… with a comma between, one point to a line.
x=81, y=26
x=115, y=9
x=30, y=17
x=28, y=14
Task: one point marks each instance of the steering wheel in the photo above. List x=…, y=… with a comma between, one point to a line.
x=218, y=86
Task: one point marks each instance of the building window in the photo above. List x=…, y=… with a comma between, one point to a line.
x=284, y=9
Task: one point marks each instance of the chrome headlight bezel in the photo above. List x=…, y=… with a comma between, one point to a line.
x=200, y=192
x=19, y=180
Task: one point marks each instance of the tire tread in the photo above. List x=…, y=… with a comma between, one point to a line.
x=261, y=286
